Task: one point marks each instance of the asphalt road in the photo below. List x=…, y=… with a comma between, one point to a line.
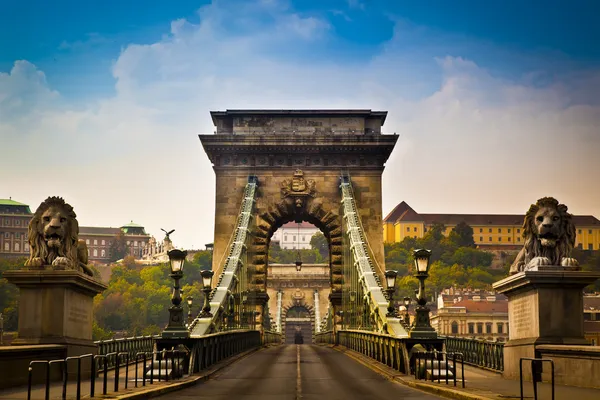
x=305, y=372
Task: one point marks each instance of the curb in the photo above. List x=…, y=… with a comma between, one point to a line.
x=401, y=378
x=179, y=385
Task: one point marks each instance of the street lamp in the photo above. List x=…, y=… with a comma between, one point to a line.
x=176, y=326
x=352, y=311
x=390, y=277
x=407, y=305
x=206, y=283
x=189, y=300
x=422, y=327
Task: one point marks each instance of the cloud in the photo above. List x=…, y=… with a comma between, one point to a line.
x=482, y=141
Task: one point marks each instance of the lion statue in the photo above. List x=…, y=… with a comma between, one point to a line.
x=53, y=238
x=549, y=235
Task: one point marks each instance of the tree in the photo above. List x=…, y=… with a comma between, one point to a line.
x=319, y=242
x=462, y=235
x=118, y=247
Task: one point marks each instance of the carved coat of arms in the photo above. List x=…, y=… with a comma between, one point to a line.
x=298, y=188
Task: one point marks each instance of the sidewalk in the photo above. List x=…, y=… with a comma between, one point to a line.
x=479, y=384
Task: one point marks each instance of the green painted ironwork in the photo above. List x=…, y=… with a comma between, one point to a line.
x=130, y=345
x=477, y=352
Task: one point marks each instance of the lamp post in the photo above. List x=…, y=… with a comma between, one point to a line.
x=407, y=315
x=189, y=300
x=422, y=327
x=352, y=300
x=390, y=278
x=298, y=263
x=176, y=327
x=244, y=316
x=206, y=283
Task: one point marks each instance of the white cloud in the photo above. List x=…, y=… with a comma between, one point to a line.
x=481, y=143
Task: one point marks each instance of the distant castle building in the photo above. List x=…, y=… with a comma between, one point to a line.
x=490, y=231
x=14, y=223
x=295, y=236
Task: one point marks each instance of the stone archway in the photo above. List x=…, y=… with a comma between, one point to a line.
x=297, y=205
x=299, y=318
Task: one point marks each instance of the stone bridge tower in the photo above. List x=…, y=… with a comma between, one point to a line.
x=298, y=157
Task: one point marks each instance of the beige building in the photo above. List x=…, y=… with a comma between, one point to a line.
x=591, y=318
x=14, y=223
x=490, y=231
x=472, y=314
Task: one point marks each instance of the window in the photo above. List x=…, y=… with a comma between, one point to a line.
x=480, y=230
x=304, y=238
x=518, y=239
x=454, y=327
x=488, y=327
x=96, y=242
x=128, y=242
x=480, y=327
x=17, y=246
x=103, y=253
x=285, y=238
x=500, y=239
x=518, y=230
x=579, y=231
x=6, y=221
x=294, y=239
x=425, y=230
x=6, y=246
x=471, y=327
x=490, y=230
x=95, y=252
x=590, y=231
x=593, y=342
x=580, y=246
x=414, y=229
x=135, y=243
x=7, y=235
x=103, y=242
x=499, y=230
x=87, y=241
x=508, y=230
x=499, y=327
x=590, y=246
x=17, y=235
x=481, y=238
x=408, y=229
x=490, y=238
x=17, y=222
x=509, y=239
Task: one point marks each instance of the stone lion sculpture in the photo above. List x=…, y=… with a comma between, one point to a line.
x=549, y=235
x=53, y=238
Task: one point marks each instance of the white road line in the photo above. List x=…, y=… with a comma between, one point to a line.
x=298, y=374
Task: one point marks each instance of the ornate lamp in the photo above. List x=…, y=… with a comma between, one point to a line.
x=422, y=327
x=206, y=283
x=352, y=300
x=176, y=326
x=298, y=256
x=390, y=278
x=189, y=300
x=407, y=305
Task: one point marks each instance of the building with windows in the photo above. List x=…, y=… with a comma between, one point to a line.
x=472, y=314
x=14, y=223
x=295, y=236
x=490, y=231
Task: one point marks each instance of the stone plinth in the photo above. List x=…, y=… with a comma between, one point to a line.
x=544, y=307
x=55, y=307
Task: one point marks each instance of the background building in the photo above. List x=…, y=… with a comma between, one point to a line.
x=14, y=224
x=476, y=314
x=292, y=236
x=490, y=231
x=591, y=318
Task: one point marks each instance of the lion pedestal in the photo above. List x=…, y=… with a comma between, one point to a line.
x=55, y=307
x=545, y=306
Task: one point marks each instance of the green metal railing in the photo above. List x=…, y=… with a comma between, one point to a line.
x=386, y=349
x=130, y=345
x=476, y=352
x=327, y=337
x=210, y=349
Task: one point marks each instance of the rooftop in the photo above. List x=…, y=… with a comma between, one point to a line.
x=11, y=202
x=403, y=212
x=301, y=113
x=499, y=306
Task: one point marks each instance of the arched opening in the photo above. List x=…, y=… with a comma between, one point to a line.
x=454, y=326
x=298, y=325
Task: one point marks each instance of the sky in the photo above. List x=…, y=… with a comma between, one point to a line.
x=497, y=103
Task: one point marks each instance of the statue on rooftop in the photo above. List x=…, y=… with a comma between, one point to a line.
x=549, y=234
x=54, y=238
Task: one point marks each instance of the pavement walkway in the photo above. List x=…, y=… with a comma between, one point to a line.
x=480, y=384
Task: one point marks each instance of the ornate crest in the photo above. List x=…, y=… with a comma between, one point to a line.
x=298, y=188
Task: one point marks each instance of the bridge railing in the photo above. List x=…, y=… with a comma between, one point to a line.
x=271, y=337
x=326, y=337
x=130, y=345
x=477, y=352
x=384, y=348
x=215, y=347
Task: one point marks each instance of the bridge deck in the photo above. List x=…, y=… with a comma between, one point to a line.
x=298, y=371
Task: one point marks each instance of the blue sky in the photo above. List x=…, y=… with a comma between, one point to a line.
x=117, y=82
